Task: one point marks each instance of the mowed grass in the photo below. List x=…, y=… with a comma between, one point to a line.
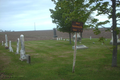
x=53, y=60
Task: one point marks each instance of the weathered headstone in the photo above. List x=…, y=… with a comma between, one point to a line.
x=57, y=39
x=79, y=46
x=61, y=38
x=78, y=37
x=2, y=43
x=22, y=51
x=118, y=41
x=10, y=47
x=55, y=35
x=23, y=56
x=17, y=51
x=6, y=42
x=90, y=37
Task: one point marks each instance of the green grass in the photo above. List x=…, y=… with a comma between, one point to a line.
x=53, y=60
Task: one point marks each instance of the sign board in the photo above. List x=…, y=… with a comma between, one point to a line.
x=77, y=27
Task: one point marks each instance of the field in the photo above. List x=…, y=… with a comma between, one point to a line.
x=53, y=60
x=32, y=35
x=48, y=35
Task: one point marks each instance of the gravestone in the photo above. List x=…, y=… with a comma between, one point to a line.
x=78, y=37
x=90, y=37
x=118, y=41
x=57, y=39
x=10, y=47
x=22, y=51
x=17, y=51
x=6, y=42
x=55, y=35
x=61, y=38
x=23, y=56
x=79, y=46
x=2, y=43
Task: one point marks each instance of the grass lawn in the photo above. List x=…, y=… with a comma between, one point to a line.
x=53, y=60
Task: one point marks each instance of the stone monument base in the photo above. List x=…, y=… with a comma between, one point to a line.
x=80, y=47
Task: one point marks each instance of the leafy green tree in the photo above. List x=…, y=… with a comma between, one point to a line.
x=67, y=11
x=108, y=8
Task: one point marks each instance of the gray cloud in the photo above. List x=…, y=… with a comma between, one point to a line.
x=24, y=12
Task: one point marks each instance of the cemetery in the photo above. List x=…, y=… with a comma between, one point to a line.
x=51, y=58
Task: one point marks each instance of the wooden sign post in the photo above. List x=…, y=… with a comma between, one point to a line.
x=76, y=27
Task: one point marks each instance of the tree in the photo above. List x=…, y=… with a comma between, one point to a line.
x=67, y=11
x=104, y=7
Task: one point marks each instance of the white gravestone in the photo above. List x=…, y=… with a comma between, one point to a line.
x=17, y=51
x=22, y=51
x=61, y=38
x=57, y=39
x=6, y=41
x=118, y=41
x=90, y=37
x=10, y=47
x=78, y=37
x=2, y=43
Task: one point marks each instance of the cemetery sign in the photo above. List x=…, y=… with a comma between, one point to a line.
x=77, y=27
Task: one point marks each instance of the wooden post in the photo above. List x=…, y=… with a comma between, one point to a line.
x=28, y=59
x=74, y=57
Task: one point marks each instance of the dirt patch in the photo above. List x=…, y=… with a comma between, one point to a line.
x=62, y=56
x=5, y=60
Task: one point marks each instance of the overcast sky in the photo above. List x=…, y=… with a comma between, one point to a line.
x=20, y=15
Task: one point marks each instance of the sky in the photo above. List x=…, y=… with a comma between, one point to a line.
x=25, y=15
x=21, y=15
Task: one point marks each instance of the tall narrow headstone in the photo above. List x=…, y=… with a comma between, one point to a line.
x=54, y=30
x=2, y=43
x=10, y=47
x=17, y=51
x=90, y=37
x=22, y=51
x=6, y=42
